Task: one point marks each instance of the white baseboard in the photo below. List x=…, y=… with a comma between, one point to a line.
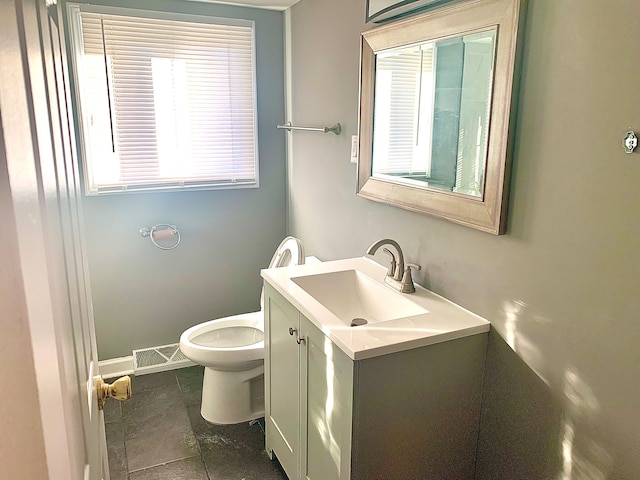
x=116, y=367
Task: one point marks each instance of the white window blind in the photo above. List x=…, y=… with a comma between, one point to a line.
x=166, y=101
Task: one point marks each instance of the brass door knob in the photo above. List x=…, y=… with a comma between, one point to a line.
x=120, y=390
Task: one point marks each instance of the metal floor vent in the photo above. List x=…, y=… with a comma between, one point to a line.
x=159, y=359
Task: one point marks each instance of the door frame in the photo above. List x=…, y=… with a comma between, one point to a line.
x=42, y=292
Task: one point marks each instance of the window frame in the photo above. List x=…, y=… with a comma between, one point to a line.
x=76, y=51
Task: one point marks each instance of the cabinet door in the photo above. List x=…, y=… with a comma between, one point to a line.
x=282, y=381
x=326, y=391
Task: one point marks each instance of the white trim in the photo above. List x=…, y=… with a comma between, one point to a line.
x=116, y=367
x=265, y=4
x=288, y=106
x=165, y=367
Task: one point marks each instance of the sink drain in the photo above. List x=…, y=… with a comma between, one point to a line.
x=356, y=322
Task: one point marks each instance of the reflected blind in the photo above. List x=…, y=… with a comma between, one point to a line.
x=402, y=123
x=166, y=102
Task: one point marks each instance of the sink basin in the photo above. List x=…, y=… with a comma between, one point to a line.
x=352, y=297
x=332, y=294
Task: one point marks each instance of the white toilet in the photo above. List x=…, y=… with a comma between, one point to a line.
x=232, y=351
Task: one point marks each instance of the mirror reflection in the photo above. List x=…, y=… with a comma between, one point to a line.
x=432, y=112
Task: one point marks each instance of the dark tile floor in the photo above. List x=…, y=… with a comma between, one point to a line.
x=159, y=435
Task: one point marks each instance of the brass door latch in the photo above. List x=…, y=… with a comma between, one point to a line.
x=120, y=390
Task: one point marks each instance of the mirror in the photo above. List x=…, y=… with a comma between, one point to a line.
x=431, y=113
x=435, y=97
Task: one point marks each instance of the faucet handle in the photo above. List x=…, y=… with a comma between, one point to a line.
x=392, y=266
x=407, y=285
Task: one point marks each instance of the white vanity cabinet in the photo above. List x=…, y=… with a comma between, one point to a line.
x=282, y=382
x=308, y=397
x=326, y=393
x=411, y=414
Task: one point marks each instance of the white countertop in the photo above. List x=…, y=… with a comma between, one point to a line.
x=444, y=321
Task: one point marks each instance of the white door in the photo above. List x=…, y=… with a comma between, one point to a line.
x=282, y=375
x=38, y=139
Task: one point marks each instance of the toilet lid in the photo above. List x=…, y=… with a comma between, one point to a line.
x=289, y=252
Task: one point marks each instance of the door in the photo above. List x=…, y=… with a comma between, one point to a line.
x=326, y=399
x=282, y=381
x=39, y=147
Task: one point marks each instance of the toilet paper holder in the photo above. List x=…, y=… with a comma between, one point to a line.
x=162, y=231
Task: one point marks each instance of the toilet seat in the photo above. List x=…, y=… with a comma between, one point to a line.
x=195, y=343
x=231, y=337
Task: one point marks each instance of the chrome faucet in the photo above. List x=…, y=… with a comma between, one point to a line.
x=397, y=276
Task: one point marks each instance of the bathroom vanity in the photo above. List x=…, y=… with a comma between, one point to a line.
x=395, y=397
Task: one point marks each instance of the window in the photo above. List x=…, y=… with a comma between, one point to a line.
x=166, y=101
x=403, y=115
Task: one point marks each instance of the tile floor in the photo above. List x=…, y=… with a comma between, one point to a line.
x=159, y=435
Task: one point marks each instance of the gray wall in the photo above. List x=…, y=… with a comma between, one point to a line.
x=143, y=296
x=561, y=287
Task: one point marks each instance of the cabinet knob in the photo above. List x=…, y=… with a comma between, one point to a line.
x=292, y=331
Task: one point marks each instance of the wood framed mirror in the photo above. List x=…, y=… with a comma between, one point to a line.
x=436, y=116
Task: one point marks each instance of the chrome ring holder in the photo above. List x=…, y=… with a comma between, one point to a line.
x=161, y=227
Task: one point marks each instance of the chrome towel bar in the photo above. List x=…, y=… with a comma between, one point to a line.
x=337, y=128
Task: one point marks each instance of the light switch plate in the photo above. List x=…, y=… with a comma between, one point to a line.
x=354, y=148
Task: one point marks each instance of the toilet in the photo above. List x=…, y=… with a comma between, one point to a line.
x=232, y=351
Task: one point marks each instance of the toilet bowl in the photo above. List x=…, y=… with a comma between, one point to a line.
x=231, y=349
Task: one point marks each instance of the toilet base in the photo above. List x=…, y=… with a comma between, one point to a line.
x=232, y=397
